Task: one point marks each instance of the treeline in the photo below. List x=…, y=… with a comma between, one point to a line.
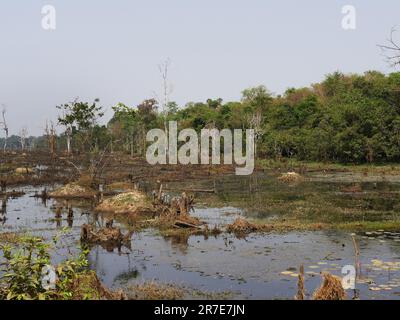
x=345, y=118
x=31, y=143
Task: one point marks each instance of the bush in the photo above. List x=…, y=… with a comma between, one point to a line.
x=21, y=273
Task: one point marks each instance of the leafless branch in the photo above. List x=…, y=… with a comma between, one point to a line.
x=391, y=51
x=163, y=68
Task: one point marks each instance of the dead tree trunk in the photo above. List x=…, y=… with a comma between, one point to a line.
x=22, y=137
x=51, y=138
x=164, y=68
x=5, y=128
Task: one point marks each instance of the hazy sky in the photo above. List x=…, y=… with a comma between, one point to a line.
x=110, y=49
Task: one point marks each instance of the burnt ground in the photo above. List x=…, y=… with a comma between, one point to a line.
x=39, y=168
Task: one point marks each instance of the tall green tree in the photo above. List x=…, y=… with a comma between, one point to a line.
x=79, y=118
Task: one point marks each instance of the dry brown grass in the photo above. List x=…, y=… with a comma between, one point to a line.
x=355, y=188
x=23, y=170
x=73, y=190
x=85, y=180
x=120, y=185
x=88, y=287
x=155, y=291
x=9, y=237
x=290, y=177
x=242, y=226
x=128, y=202
x=88, y=233
x=331, y=289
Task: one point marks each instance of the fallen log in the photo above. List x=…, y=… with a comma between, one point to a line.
x=184, y=224
x=12, y=194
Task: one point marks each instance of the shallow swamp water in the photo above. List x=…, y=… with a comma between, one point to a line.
x=259, y=266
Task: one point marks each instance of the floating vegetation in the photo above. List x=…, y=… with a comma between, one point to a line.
x=375, y=289
x=287, y=273
x=378, y=265
x=290, y=274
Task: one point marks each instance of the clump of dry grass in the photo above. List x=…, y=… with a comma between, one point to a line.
x=128, y=202
x=215, y=231
x=87, y=286
x=23, y=170
x=331, y=289
x=72, y=190
x=291, y=177
x=242, y=226
x=106, y=235
x=9, y=237
x=155, y=291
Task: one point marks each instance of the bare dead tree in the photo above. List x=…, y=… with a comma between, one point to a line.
x=68, y=134
x=391, y=51
x=23, y=135
x=32, y=145
x=255, y=123
x=98, y=161
x=3, y=125
x=51, y=134
x=163, y=68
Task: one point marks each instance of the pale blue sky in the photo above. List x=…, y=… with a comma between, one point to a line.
x=110, y=49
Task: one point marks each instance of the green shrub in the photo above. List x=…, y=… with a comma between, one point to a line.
x=21, y=272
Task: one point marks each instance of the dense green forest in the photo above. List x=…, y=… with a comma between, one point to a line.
x=345, y=118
